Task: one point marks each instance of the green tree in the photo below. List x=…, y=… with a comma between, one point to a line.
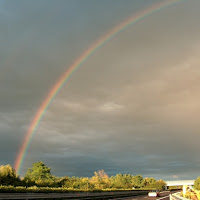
x=158, y=185
x=117, y=181
x=8, y=176
x=137, y=181
x=64, y=182
x=40, y=175
x=121, y=181
x=197, y=184
x=100, y=180
x=85, y=183
x=128, y=181
x=148, y=182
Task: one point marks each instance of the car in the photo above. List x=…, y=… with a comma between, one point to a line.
x=153, y=193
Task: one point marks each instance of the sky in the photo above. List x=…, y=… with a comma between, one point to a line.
x=132, y=107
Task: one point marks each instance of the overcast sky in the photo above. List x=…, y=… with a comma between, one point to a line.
x=132, y=107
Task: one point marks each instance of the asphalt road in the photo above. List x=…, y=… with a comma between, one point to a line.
x=77, y=196
x=162, y=196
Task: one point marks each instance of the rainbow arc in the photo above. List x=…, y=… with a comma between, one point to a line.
x=75, y=66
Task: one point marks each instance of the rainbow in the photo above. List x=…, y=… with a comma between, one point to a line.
x=75, y=66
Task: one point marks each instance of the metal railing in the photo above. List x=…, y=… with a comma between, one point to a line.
x=177, y=196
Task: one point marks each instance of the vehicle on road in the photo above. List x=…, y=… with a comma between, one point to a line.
x=153, y=193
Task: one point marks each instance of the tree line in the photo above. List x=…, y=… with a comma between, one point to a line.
x=40, y=175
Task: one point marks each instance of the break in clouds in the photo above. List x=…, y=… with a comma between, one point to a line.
x=132, y=107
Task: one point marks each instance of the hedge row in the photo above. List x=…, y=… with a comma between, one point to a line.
x=35, y=189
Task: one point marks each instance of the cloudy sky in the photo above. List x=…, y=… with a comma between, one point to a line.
x=132, y=107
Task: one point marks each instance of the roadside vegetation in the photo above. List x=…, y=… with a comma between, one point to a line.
x=194, y=193
x=197, y=184
x=39, y=179
x=197, y=187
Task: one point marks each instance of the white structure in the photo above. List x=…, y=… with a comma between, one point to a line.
x=180, y=183
x=184, y=183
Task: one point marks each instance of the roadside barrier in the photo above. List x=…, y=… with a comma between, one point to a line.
x=176, y=196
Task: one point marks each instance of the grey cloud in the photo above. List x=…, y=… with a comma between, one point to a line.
x=132, y=107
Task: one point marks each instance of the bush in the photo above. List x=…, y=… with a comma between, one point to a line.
x=35, y=189
x=8, y=176
x=197, y=184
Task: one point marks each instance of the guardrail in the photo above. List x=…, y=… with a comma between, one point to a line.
x=176, y=196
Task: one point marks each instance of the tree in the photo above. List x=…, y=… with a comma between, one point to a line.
x=128, y=181
x=64, y=182
x=159, y=185
x=85, y=184
x=148, y=182
x=8, y=176
x=197, y=184
x=137, y=181
x=40, y=175
x=117, y=181
x=100, y=180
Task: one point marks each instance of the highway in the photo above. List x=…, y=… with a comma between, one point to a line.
x=76, y=195
x=163, y=196
x=137, y=195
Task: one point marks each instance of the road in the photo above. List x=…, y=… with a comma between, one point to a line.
x=76, y=195
x=163, y=196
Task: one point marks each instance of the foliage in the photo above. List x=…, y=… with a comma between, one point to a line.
x=63, y=181
x=100, y=180
x=122, y=181
x=40, y=175
x=8, y=176
x=138, y=181
x=35, y=189
x=158, y=185
x=197, y=184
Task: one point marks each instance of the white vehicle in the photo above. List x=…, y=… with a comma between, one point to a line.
x=153, y=193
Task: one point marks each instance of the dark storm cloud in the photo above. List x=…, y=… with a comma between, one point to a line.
x=41, y=40
x=12, y=132
x=132, y=107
